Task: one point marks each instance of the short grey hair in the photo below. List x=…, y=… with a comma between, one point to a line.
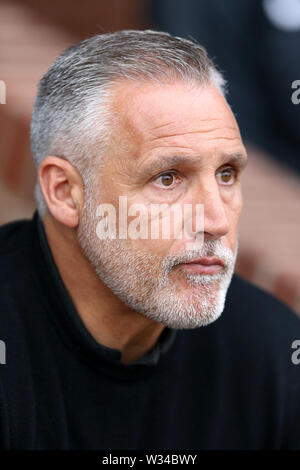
x=71, y=117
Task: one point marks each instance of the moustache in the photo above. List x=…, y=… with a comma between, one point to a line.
x=214, y=249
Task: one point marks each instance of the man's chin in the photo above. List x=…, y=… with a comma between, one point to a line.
x=187, y=308
x=188, y=322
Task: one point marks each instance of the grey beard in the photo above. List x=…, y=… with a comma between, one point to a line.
x=142, y=280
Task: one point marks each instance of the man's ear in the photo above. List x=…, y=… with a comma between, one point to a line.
x=62, y=188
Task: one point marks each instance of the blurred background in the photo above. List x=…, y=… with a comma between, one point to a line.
x=255, y=43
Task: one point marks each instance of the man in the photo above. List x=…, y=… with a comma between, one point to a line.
x=115, y=342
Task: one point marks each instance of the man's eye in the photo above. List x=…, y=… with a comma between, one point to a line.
x=227, y=176
x=166, y=180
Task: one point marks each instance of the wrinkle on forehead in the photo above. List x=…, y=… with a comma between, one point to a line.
x=173, y=122
x=198, y=131
x=222, y=138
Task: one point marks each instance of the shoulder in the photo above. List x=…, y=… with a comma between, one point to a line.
x=13, y=236
x=260, y=331
x=254, y=328
x=19, y=308
x=258, y=311
x=16, y=285
x=16, y=251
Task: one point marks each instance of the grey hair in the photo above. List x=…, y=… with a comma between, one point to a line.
x=71, y=117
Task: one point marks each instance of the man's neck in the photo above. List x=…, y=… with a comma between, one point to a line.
x=109, y=321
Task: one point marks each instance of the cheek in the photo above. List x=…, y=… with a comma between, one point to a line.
x=143, y=229
x=234, y=204
x=238, y=204
x=153, y=247
x=234, y=207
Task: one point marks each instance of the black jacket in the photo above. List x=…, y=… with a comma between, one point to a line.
x=229, y=385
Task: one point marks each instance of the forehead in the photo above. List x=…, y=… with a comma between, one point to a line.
x=143, y=104
x=169, y=116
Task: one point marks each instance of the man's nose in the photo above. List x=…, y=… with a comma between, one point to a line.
x=216, y=223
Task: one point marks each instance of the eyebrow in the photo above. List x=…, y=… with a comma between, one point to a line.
x=238, y=159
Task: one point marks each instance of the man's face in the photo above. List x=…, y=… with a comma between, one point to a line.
x=171, y=144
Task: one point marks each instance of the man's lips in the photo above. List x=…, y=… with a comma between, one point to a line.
x=207, y=265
